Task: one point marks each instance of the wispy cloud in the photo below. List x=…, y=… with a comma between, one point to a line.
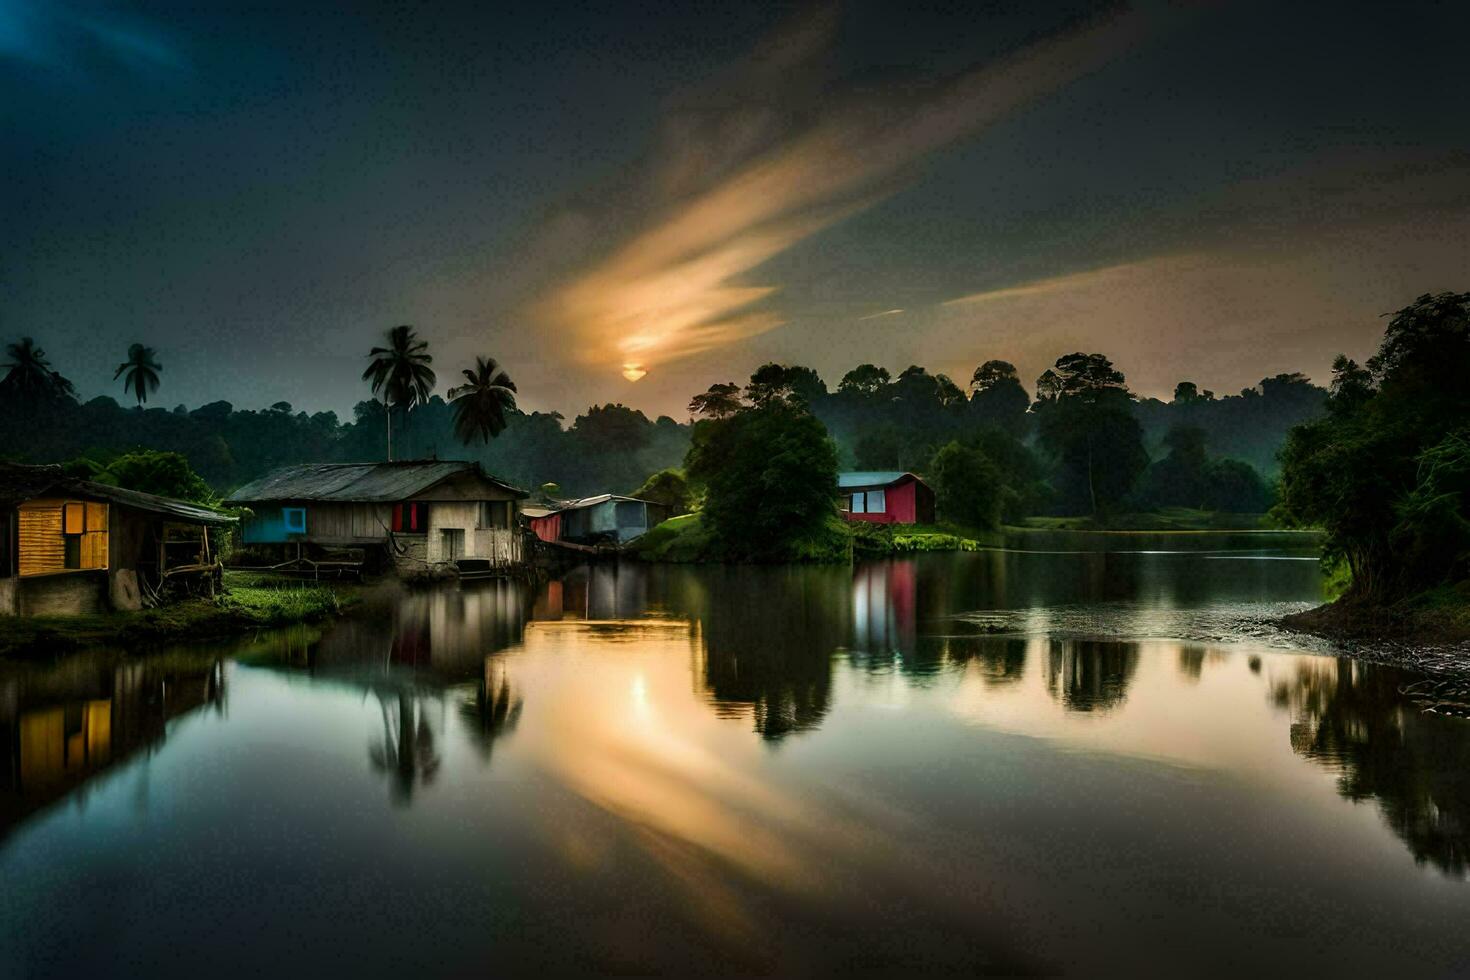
x=56, y=35
x=875, y=316
x=1071, y=282
x=734, y=187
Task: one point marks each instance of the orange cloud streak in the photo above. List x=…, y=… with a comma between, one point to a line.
x=674, y=288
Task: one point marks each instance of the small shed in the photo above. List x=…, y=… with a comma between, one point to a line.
x=418, y=514
x=604, y=519
x=71, y=547
x=885, y=497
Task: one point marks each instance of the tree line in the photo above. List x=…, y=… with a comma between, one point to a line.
x=1083, y=444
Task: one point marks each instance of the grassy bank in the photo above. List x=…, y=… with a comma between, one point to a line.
x=1439, y=617
x=1169, y=519
x=685, y=539
x=249, y=602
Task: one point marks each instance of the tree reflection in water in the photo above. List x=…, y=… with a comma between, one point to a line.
x=493, y=709
x=1001, y=661
x=769, y=636
x=1352, y=719
x=1090, y=675
x=407, y=753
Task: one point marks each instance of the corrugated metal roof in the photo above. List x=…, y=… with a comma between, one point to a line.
x=19, y=483
x=359, y=482
x=167, y=506
x=869, y=478
x=601, y=498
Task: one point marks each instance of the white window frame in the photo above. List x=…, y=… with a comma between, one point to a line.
x=857, y=503
x=877, y=502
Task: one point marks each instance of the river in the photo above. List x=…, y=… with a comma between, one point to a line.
x=1092, y=756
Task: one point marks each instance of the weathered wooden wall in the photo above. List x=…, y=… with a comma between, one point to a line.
x=348, y=524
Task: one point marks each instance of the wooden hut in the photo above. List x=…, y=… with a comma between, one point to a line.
x=418, y=515
x=604, y=519
x=70, y=546
x=885, y=497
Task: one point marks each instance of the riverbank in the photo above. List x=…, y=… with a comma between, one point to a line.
x=1437, y=618
x=249, y=602
x=685, y=540
x=1168, y=519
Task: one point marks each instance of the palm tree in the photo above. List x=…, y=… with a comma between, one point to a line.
x=141, y=372
x=29, y=373
x=480, y=404
x=400, y=373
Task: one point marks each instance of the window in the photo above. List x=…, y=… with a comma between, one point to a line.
x=453, y=540
x=294, y=519
x=857, y=504
x=877, y=502
x=411, y=517
x=56, y=536
x=495, y=513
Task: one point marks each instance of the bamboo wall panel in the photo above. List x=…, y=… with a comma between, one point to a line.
x=42, y=546
x=43, y=543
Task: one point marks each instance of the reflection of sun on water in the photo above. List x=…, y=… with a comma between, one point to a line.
x=660, y=763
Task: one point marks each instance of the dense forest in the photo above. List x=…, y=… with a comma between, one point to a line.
x=1385, y=472
x=1079, y=442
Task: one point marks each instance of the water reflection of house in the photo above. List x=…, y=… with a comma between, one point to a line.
x=74, y=547
x=440, y=634
x=885, y=608
x=595, y=592
x=58, y=730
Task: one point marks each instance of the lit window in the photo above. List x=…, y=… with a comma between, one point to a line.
x=295, y=519
x=877, y=503
x=74, y=520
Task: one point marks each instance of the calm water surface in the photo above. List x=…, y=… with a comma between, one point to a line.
x=1040, y=761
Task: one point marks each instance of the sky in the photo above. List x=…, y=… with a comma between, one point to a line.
x=630, y=202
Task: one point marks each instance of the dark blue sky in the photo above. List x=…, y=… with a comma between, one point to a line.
x=1214, y=191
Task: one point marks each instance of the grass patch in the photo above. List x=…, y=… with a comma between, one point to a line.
x=881, y=540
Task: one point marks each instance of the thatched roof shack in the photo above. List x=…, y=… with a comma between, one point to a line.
x=419, y=513
x=70, y=546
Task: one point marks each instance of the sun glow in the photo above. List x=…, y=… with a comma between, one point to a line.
x=633, y=371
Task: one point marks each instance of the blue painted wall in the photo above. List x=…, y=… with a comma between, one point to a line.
x=268, y=526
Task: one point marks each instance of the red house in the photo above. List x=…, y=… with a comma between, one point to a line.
x=885, y=498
